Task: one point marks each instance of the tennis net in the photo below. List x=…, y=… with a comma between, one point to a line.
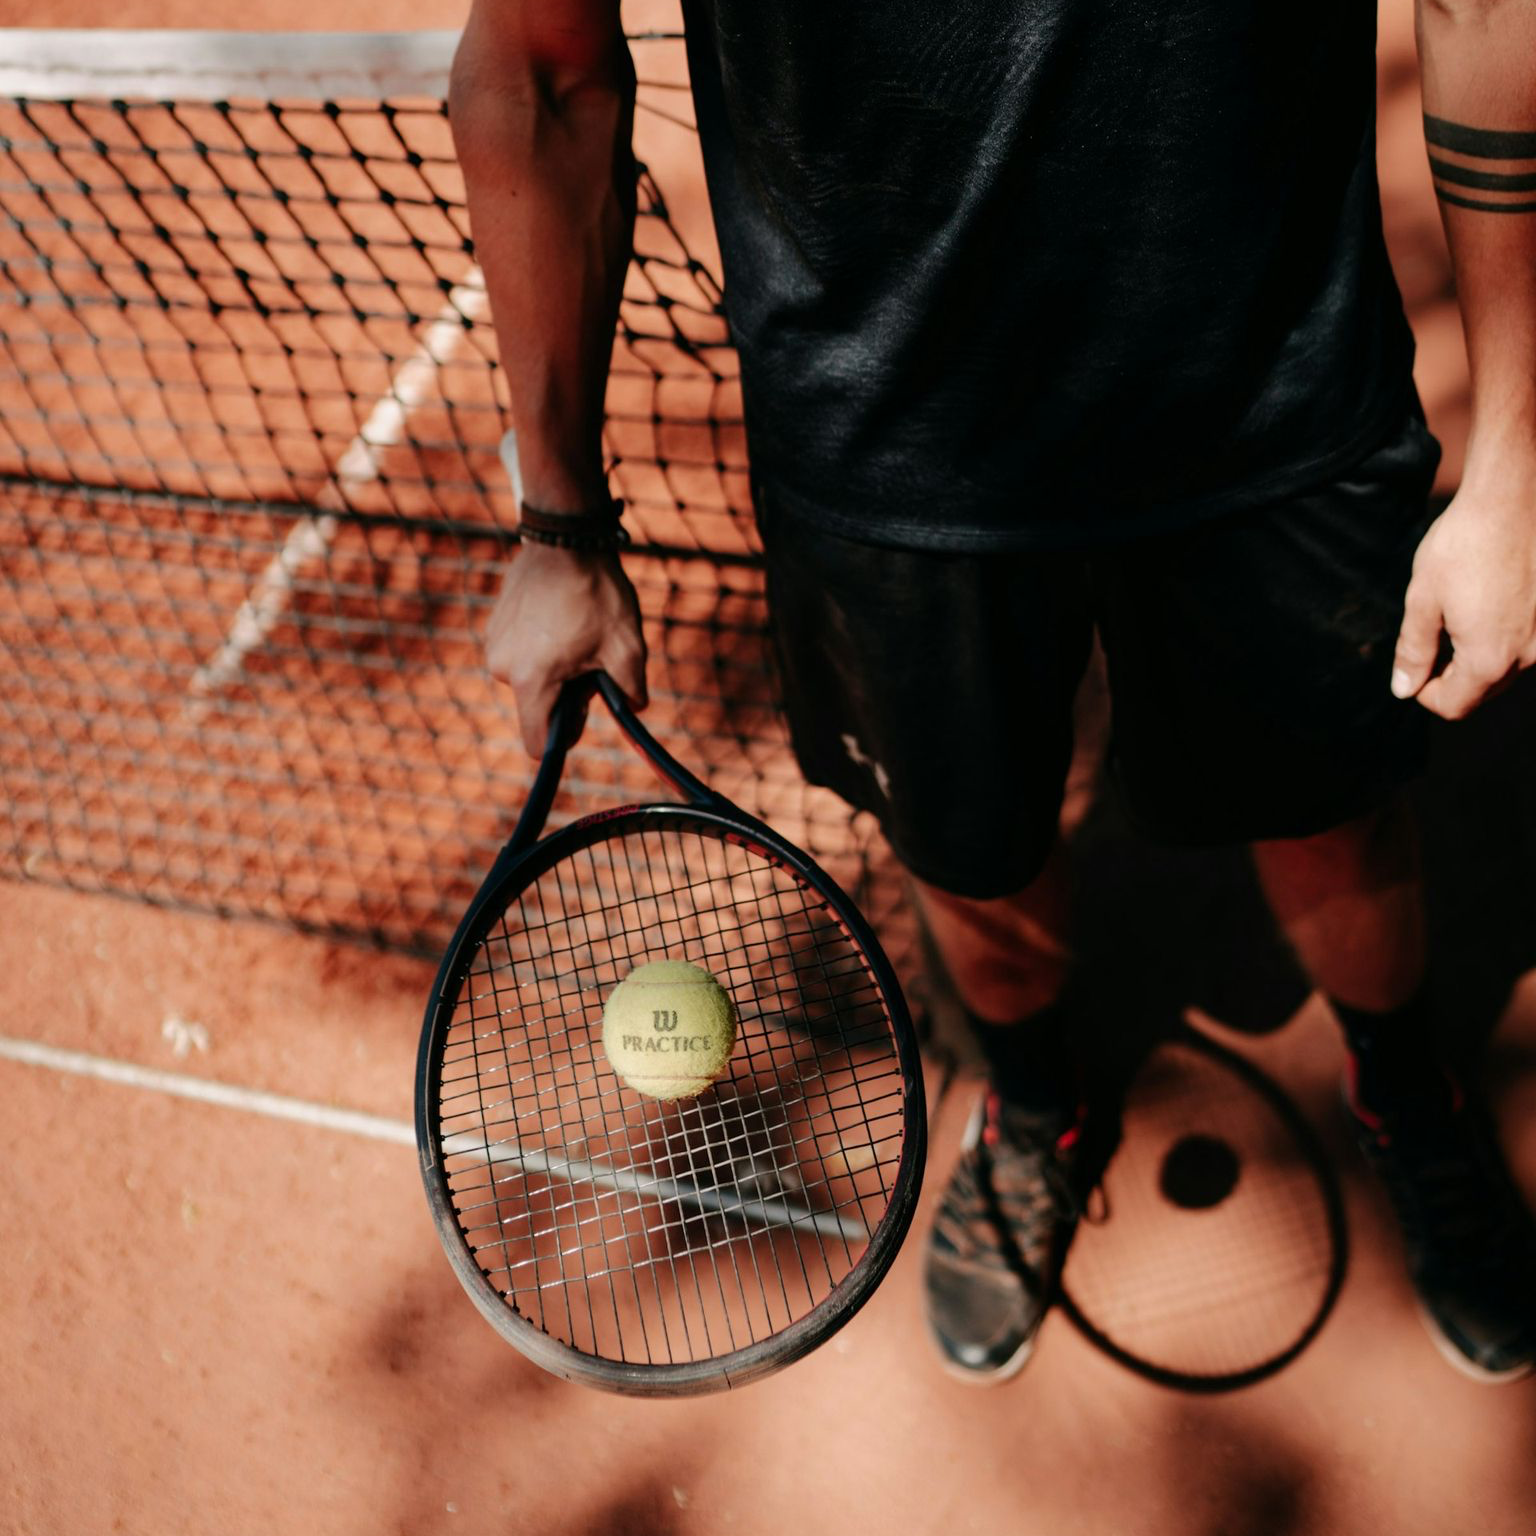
x=251, y=509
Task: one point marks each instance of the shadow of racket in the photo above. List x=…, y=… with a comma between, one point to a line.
x=1224, y=1246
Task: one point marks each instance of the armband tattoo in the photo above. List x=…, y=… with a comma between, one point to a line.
x=1496, y=181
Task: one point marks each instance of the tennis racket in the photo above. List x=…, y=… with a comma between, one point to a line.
x=619, y=1240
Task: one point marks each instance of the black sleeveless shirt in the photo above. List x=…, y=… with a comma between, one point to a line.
x=1012, y=273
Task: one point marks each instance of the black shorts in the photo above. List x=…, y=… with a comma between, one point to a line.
x=1248, y=658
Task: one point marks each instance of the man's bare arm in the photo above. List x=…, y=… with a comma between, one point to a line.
x=1475, y=573
x=542, y=105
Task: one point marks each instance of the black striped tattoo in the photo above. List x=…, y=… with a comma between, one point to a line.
x=1488, y=146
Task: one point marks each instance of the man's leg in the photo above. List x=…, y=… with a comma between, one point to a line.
x=1249, y=661
x=1003, y=1223
x=1008, y=957
x=935, y=692
x=1349, y=900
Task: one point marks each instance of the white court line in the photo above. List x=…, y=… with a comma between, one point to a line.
x=207, y=1091
x=278, y=1106
x=361, y=464
x=63, y=64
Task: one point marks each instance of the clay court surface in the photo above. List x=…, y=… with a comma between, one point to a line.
x=235, y=1317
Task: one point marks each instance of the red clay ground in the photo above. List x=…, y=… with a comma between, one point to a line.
x=219, y=1321
x=222, y=1322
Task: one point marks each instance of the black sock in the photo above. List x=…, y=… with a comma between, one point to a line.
x=1396, y=1065
x=1031, y=1063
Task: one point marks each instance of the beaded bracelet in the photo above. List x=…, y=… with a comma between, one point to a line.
x=594, y=532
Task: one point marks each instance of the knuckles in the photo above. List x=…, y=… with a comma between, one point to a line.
x=1446, y=708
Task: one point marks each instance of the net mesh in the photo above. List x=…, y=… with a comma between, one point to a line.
x=252, y=513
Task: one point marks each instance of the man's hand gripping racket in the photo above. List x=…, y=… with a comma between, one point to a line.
x=708, y=1187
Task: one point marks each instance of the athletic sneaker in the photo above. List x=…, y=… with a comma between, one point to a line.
x=1470, y=1239
x=1000, y=1237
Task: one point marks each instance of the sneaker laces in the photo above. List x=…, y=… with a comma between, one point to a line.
x=1012, y=1192
x=1448, y=1199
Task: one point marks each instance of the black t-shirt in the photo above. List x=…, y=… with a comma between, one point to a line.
x=1007, y=273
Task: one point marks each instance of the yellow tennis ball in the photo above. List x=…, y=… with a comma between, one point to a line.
x=669, y=1028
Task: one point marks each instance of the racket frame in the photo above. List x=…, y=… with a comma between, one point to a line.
x=520, y=863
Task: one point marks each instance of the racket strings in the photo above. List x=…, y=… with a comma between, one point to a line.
x=706, y=925
x=652, y=1232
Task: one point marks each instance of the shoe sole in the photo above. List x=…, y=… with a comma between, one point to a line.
x=1444, y=1344
x=1467, y=1367
x=992, y=1376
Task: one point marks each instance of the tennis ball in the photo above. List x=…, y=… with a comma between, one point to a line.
x=669, y=1028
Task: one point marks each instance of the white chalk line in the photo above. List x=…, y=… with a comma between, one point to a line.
x=63, y=64
x=184, y=1085
x=361, y=464
x=354, y=1122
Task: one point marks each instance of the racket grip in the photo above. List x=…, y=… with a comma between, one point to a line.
x=569, y=716
x=566, y=721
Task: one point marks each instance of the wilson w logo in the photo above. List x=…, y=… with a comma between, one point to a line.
x=664, y=1019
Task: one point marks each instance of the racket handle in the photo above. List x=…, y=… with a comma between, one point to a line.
x=566, y=721
x=569, y=716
